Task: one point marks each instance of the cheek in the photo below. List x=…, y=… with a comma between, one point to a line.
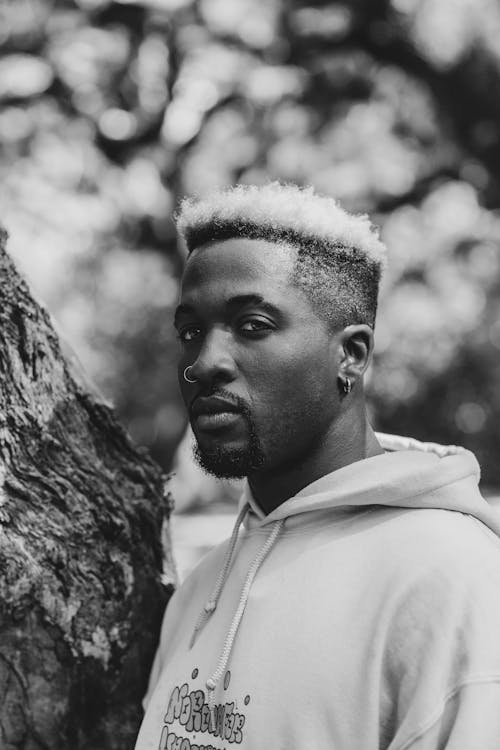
x=294, y=384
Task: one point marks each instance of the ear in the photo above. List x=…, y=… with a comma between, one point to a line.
x=357, y=349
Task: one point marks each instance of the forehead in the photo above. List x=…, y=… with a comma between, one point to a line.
x=238, y=266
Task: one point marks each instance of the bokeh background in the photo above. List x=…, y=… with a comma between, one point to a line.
x=110, y=111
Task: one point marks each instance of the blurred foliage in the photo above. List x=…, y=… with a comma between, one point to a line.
x=110, y=111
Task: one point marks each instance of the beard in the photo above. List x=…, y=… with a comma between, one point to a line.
x=232, y=463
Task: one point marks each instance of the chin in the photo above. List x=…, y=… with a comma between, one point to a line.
x=226, y=462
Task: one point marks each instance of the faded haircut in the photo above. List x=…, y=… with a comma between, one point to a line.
x=340, y=257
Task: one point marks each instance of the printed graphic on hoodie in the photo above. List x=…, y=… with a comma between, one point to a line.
x=188, y=712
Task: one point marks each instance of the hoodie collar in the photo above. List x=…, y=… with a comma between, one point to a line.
x=409, y=474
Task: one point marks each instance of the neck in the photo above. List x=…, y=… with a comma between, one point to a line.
x=343, y=445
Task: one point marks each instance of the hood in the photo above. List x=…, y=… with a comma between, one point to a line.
x=409, y=474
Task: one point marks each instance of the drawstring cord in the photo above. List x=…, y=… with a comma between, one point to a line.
x=212, y=682
x=212, y=602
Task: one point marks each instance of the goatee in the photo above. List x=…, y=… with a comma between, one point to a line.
x=226, y=463
x=232, y=463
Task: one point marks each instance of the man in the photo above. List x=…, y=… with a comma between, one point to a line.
x=359, y=606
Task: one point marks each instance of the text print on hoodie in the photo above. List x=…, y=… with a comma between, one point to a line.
x=361, y=614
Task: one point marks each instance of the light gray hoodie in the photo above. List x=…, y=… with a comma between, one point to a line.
x=362, y=614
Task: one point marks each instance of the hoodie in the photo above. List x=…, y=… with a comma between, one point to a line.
x=361, y=614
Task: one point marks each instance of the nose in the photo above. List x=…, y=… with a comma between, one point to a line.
x=215, y=362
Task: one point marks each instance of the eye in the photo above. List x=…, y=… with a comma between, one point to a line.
x=255, y=325
x=188, y=333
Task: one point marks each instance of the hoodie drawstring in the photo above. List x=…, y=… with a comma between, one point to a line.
x=212, y=681
x=212, y=602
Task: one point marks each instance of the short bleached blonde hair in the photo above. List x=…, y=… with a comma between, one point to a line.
x=284, y=208
x=336, y=249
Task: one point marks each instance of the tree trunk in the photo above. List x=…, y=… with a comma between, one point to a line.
x=81, y=512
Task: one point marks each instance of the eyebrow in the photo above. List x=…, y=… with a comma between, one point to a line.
x=233, y=303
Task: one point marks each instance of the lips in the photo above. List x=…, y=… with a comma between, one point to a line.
x=212, y=405
x=214, y=413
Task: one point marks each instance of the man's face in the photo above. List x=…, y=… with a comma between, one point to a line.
x=265, y=364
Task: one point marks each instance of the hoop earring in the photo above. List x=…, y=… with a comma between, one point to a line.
x=185, y=375
x=347, y=386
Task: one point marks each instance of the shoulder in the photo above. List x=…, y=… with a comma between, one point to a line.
x=441, y=604
x=442, y=567
x=436, y=565
x=443, y=621
x=427, y=536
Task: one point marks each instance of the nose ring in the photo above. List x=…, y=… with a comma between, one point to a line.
x=186, y=377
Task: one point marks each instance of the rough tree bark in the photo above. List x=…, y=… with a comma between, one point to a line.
x=81, y=512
